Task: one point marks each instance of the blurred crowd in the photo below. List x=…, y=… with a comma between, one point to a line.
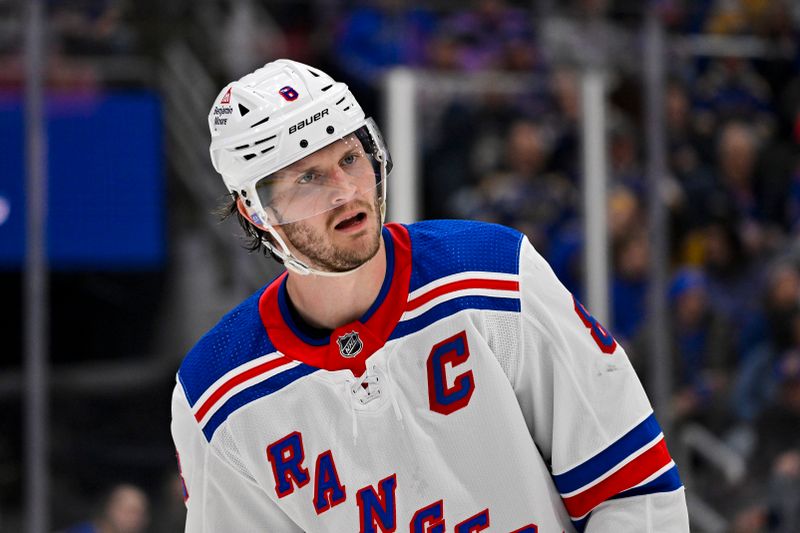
x=732, y=191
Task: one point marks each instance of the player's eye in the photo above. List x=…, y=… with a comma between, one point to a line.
x=349, y=159
x=308, y=177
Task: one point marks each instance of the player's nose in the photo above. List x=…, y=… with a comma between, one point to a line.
x=343, y=186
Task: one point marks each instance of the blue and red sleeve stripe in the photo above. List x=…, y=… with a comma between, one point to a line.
x=637, y=463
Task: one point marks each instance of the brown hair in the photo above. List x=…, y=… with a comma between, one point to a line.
x=254, y=236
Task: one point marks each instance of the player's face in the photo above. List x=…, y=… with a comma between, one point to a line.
x=337, y=183
x=325, y=180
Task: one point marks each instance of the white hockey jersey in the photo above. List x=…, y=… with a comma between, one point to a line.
x=475, y=394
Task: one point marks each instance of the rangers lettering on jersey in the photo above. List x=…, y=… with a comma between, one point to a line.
x=377, y=509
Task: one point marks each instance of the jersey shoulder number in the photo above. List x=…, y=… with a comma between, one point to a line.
x=604, y=340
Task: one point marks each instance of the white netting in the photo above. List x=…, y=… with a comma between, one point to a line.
x=229, y=450
x=503, y=337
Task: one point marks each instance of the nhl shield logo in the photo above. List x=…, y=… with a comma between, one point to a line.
x=350, y=344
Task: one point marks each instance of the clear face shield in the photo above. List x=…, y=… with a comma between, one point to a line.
x=352, y=169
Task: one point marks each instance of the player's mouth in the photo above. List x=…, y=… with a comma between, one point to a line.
x=351, y=222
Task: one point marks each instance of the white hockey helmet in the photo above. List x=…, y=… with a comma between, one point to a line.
x=274, y=117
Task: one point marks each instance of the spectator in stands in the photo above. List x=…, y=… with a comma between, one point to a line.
x=784, y=485
x=739, y=188
x=774, y=468
x=518, y=192
x=624, y=156
x=682, y=139
x=734, y=278
x=625, y=213
x=731, y=89
x=564, y=119
x=770, y=335
x=126, y=510
x=469, y=144
x=690, y=180
x=737, y=152
x=736, y=155
x=703, y=354
x=444, y=51
x=752, y=519
x=685, y=154
x=777, y=169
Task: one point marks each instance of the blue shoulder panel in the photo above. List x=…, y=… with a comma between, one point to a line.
x=440, y=248
x=238, y=338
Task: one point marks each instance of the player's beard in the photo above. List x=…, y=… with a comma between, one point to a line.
x=323, y=253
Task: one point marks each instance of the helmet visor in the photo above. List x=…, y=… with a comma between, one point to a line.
x=334, y=175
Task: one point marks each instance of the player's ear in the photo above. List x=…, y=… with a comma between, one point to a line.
x=242, y=210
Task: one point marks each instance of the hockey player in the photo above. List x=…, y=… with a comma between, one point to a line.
x=434, y=377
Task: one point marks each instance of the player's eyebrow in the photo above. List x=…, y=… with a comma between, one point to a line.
x=300, y=168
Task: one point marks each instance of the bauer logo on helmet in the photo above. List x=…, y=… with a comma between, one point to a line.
x=309, y=121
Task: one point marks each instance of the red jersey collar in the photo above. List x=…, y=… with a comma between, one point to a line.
x=348, y=346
